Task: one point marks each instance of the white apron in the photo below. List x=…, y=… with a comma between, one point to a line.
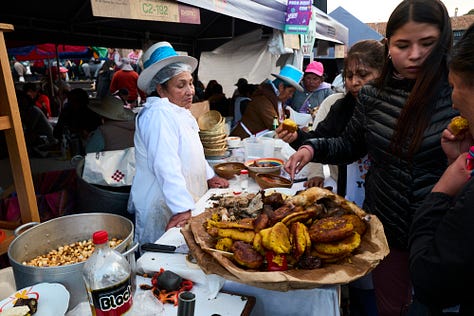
x=171, y=169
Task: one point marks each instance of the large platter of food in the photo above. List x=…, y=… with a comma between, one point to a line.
x=280, y=242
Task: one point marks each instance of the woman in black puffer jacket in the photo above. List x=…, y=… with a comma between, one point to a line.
x=398, y=123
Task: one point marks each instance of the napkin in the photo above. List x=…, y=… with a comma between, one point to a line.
x=209, y=284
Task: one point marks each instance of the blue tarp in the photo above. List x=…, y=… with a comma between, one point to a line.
x=358, y=30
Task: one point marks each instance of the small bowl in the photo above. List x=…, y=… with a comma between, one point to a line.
x=228, y=170
x=266, y=181
x=264, y=165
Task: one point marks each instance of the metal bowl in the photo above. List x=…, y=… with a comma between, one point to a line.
x=44, y=237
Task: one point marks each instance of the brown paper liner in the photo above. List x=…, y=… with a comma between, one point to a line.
x=372, y=250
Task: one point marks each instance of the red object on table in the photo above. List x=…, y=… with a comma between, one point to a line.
x=2, y=235
x=276, y=262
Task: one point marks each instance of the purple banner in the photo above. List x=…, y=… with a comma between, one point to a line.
x=298, y=14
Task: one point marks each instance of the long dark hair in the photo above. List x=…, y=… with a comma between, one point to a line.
x=462, y=57
x=419, y=107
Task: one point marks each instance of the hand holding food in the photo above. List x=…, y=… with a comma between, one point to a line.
x=289, y=125
x=287, y=132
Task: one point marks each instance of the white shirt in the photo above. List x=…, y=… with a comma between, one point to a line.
x=171, y=169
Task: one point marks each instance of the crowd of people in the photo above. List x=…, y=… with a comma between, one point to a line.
x=387, y=133
x=67, y=110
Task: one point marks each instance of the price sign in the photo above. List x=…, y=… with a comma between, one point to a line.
x=153, y=10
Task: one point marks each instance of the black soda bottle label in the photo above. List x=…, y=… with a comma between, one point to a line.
x=112, y=301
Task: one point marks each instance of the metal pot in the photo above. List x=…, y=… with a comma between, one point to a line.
x=44, y=237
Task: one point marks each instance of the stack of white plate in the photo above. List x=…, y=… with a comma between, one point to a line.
x=212, y=132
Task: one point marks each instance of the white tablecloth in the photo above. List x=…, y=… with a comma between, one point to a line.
x=320, y=301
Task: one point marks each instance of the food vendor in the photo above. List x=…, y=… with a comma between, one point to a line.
x=171, y=170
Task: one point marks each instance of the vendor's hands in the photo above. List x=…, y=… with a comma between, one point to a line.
x=217, y=182
x=454, y=145
x=297, y=161
x=285, y=135
x=179, y=220
x=314, y=182
x=454, y=177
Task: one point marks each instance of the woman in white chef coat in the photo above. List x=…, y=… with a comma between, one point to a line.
x=171, y=170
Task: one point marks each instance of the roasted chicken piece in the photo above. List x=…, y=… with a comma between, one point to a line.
x=245, y=255
x=309, y=196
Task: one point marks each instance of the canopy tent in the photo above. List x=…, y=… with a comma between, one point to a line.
x=50, y=21
x=49, y=51
x=247, y=56
x=271, y=13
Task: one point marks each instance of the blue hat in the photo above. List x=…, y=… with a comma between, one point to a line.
x=156, y=57
x=291, y=75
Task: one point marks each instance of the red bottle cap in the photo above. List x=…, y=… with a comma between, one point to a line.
x=100, y=237
x=244, y=171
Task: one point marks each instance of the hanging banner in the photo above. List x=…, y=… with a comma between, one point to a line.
x=298, y=15
x=153, y=10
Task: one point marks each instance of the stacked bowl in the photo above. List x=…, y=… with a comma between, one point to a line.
x=212, y=132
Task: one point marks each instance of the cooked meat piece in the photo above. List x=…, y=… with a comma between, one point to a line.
x=309, y=262
x=245, y=255
x=282, y=212
x=275, y=200
x=261, y=222
x=330, y=229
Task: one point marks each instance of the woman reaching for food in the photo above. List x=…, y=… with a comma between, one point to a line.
x=171, y=170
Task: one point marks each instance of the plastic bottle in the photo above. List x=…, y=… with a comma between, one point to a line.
x=107, y=276
x=244, y=179
x=275, y=123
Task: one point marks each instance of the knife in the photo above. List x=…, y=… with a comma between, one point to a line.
x=164, y=248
